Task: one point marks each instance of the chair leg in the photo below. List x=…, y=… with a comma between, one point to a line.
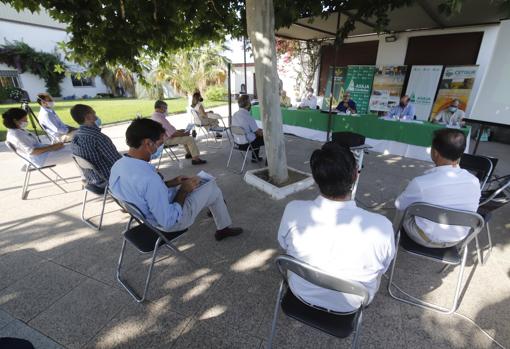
x=275, y=316
x=478, y=250
x=357, y=329
x=483, y=259
x=24, y=191
x=102, y=209
x=87, y=220
x=244, y=160
x=159, y=161
x=128, y=288
x=58, y=176
x=230, y=156
x=51, y=180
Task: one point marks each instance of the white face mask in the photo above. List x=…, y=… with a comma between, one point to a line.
x=50, y=104
x=452, y=109
x=23, y=124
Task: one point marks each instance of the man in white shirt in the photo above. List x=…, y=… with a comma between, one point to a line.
x=452, y=116
x=334, y=235
x=51, y=123
x=242, y=118
x=309, y=100
x=445, y=185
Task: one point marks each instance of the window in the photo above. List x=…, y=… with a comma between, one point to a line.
x=83, y=81
x=9, y=78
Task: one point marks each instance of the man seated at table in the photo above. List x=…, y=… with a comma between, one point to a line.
x=452, y=116
x=93, y=145
x=285, y=100
x=174, y=136
x=309, y=100
x=242, y=118
x=172, y=205
x=334, y=235
x=445, y=185
x=347, y=105
x=51, y=123
x=403, y=111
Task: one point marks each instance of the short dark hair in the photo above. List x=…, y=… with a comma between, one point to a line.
x=11, y=115
x=333, y=168
x=449, y=143
x=244, y=101
x=160, y=104
x=141, y=129
x=42, y=97
x=78, y=112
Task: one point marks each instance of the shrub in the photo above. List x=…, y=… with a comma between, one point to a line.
x=216, y=93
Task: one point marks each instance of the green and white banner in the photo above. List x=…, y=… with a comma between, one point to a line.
x=422, y=87
x=338, y=88
x=359, y=83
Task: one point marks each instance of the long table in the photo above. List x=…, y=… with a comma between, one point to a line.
x=409, y=139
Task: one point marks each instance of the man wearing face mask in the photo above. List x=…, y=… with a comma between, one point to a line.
x=171, y=205
x=452, y=116
x=242, y=118
x=51, y=123
x=403, y=111
x=309, y=101
x=92, y=145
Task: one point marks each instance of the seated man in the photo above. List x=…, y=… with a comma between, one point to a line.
x=334, y=235
x=242, y=118
x=347, y=105
x=445, y=185
x=452, y=116
x=172, y=205
x=285, y=100
x=404, y=110
x=92, y=145
x=174, y=136
x=51, y=123
x=309, y=101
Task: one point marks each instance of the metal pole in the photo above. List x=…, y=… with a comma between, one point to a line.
x=229, y=72
x=330, y=119
x=245, y=75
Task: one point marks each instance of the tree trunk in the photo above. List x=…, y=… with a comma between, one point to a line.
x=260, y=24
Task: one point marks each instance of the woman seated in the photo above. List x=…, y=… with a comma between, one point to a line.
x=208, y=119
x=27, y=145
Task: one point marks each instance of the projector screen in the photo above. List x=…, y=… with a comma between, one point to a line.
x=493, y=102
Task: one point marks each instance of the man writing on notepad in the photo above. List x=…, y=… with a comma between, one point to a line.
x=172, y=205
x=174, y=136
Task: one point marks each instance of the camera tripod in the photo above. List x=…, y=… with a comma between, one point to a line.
x=33, y=119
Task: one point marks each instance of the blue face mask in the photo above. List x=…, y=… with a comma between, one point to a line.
x=452, y=109
x=98, y=121
x=157, y=153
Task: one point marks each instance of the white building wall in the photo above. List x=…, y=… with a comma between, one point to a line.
x=42, y=36
x=237, y=78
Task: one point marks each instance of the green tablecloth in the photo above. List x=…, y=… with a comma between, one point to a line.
x=368, y=125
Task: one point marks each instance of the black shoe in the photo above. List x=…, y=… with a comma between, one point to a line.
x=227, y=232
x=198, y=162
x=188, y=156
x=209, y=214
x=219, y=135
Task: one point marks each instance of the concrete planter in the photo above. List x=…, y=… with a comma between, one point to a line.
x=275, y=192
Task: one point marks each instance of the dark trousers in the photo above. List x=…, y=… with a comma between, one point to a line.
x=256, y=144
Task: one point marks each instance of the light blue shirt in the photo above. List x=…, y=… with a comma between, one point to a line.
x=137, y=182
x=242, y=118
x=52, y=123
x=397, y=112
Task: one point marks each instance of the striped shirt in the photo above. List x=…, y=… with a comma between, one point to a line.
x=95, y=147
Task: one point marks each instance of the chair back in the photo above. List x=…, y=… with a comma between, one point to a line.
x=85, y=165
x=448, y=216
x=480, y=166
x=239, y=135
x=319, y=278
x=195, y=116
x=13, y=148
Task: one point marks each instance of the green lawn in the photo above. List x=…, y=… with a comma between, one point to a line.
x=110, y=110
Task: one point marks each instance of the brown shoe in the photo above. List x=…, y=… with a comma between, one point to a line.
x=226, y=232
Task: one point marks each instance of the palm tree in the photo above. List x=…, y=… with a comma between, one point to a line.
x=114, y=77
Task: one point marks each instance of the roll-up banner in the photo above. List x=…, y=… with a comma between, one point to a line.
x=338, y=87
x=387, y=87
x=359, y=83
x=456, y=83
x=422, y=87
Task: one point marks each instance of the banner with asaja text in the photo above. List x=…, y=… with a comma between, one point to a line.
x=359, y=83
x=456, y=83
x=422, y=87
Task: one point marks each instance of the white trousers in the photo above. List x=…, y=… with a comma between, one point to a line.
x=207, y=195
